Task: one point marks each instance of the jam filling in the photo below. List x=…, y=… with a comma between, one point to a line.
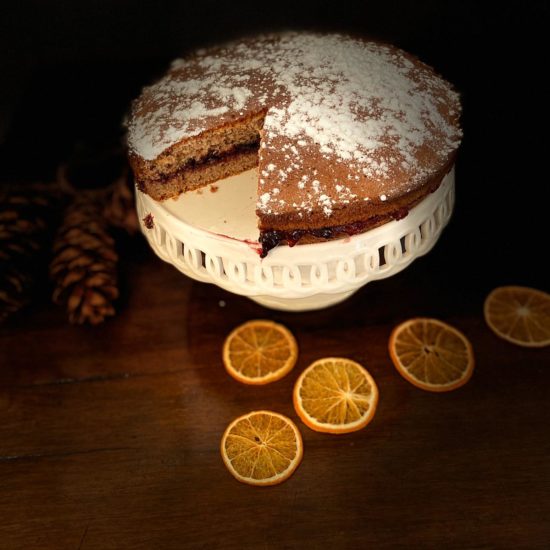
x=271, y=239
x=215, y=156
x=211, y=158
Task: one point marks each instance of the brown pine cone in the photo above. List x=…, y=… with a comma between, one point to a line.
x=27, y=215
x=84, y=267
x=120, y=210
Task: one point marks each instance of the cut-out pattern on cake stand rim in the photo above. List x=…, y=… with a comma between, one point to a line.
x=304, y=277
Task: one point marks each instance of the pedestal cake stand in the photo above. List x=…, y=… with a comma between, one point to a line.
x=211, y=235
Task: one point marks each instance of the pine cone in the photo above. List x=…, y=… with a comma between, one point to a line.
x=120, y=210
x=27, y=213
x=84, y=268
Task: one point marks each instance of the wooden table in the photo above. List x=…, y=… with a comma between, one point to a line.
x=109, y=436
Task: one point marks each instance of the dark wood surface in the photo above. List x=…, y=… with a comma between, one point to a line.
x=109, y=436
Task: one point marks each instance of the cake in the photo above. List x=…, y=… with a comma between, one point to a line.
x=347, y=134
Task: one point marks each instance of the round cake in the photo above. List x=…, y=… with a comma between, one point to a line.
x=347, y=134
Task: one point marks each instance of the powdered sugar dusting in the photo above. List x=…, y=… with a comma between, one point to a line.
x=356, y=104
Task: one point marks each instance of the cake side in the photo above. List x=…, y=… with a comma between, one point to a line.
x=197, y=161
x=195, y=176
x=355, y=218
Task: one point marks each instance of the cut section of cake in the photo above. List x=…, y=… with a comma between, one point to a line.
x=347, y=133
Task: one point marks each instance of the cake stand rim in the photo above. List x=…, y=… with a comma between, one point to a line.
x=233, y=266
x=284, y=253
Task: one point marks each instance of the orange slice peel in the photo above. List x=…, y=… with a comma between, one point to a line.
x=262, y=448
x=335, y=395
x=431, y=355
x=520, y=315
x=259, y=352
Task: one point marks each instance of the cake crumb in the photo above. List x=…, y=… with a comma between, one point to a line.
x=214, y=189
x=148, y=221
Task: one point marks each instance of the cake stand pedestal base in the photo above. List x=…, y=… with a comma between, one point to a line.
x=311, y=303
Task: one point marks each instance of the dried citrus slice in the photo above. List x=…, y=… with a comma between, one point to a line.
x=431, y=354
x=520, y=315
x=335, y=395
x=262, y=448
x=259, y=352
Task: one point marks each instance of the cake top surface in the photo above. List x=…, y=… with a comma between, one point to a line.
x=345, y=119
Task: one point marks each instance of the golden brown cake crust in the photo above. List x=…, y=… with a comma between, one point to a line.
x=349, y=130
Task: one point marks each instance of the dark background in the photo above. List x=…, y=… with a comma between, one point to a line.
x=70, y=69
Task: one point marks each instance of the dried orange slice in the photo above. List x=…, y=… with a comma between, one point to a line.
x=335, y=395
x=262, y=448
x=259, y=352
x=520, y=315
x=431, y=354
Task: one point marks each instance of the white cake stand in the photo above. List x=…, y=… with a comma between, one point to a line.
x=212, y=236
